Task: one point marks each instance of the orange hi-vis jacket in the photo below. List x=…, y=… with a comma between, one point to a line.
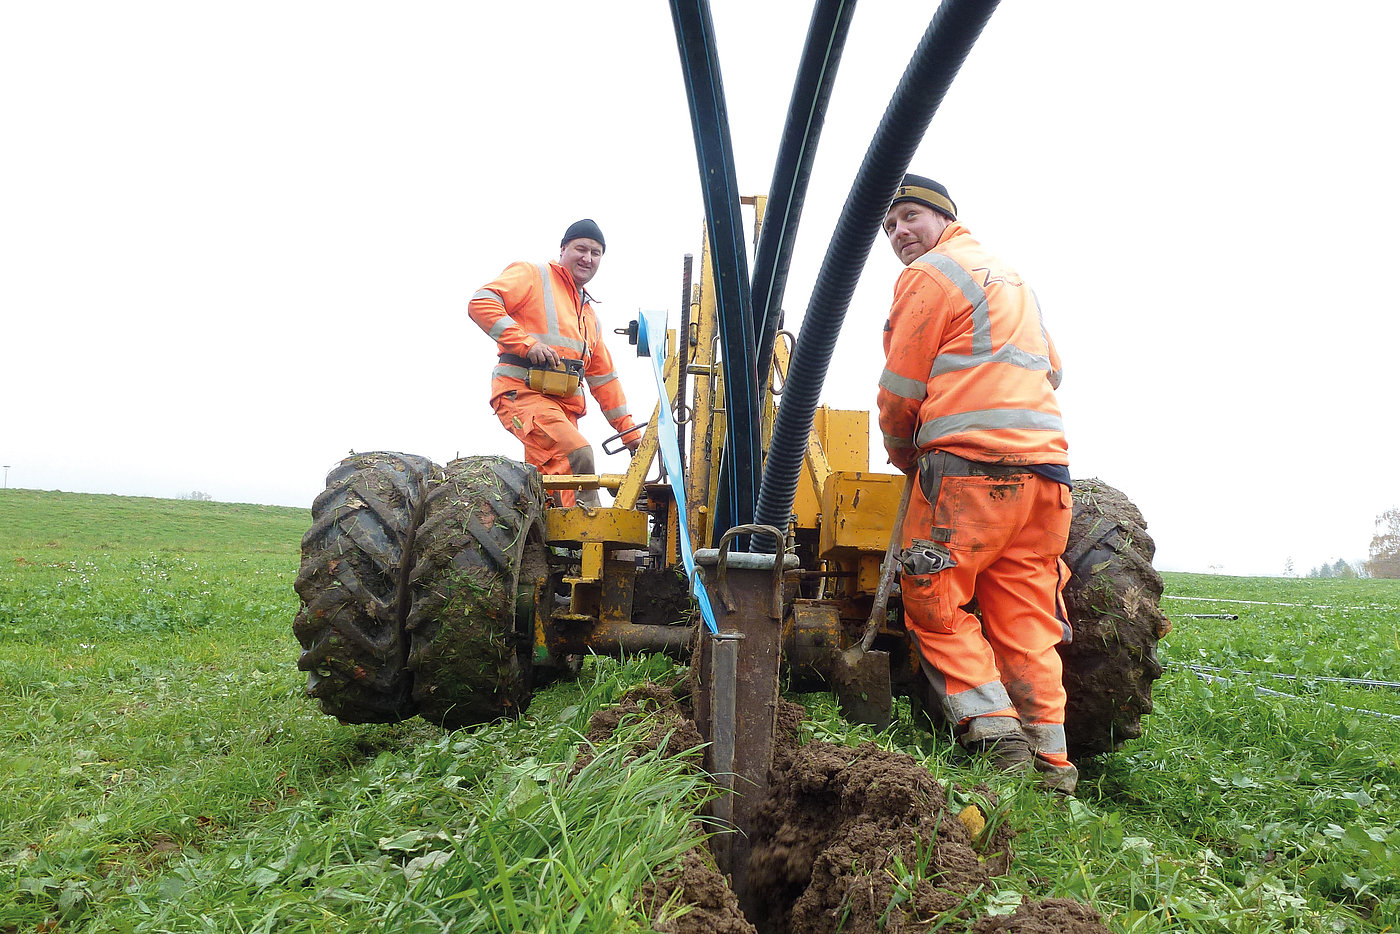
x=969, y=367
x=528, y=304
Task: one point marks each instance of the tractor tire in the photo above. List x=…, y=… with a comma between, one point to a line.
x=470, y=652
x=1112, y=598
x=354, y=562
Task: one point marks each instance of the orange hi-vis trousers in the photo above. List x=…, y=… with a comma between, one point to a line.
x=1004, y=535
x=553, y=443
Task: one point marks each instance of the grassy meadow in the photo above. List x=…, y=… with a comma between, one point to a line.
x=162, y=770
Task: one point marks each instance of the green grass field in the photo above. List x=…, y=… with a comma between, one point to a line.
x=162, y=770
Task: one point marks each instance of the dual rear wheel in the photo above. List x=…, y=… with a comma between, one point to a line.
x=410, y=579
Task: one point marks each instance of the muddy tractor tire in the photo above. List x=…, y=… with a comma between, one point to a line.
x=354, y=561
x=1112, y=598
x=470, y=652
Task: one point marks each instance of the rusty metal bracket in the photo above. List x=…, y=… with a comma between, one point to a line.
x=779, y=562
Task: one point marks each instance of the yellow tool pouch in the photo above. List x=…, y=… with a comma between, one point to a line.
x=552, y=382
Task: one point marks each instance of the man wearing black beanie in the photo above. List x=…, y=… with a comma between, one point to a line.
x=967, y=406
x=549, y=342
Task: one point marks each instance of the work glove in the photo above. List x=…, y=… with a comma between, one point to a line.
x=925, y=557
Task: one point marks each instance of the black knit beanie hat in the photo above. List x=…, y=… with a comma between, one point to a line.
x=926, y=191
x=584, y=228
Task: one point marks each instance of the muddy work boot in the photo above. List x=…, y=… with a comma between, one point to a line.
x=1057, y=773
x=1055, y=777
x=1001, y=742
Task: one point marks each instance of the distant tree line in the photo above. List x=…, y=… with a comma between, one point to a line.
x=1385, y=546
x=1384, y=559
x=1339, y=568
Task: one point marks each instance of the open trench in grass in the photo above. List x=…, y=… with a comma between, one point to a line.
x=856, y=840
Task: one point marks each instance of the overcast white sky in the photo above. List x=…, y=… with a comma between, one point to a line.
x=236, y=240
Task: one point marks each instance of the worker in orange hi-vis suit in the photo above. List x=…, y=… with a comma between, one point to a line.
x=541, y=318
x=967, y=400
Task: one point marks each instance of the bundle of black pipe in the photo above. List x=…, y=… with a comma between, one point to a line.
x=821, y=54
x=709, y=118
x=940, y=53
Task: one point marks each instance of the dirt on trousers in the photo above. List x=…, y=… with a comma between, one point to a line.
x=854, y=840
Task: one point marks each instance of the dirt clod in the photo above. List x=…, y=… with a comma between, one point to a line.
x=1047, y=916
x=713, y=906
x=672, y=731
x=850, y=840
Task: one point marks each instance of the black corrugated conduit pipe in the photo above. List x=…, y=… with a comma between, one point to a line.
x=940, y=53
x=826, y=37
x=709, y=120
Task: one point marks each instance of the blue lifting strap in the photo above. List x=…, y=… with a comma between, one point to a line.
x=651, y=335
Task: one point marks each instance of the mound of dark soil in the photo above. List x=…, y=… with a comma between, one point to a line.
x=840, y=840
x=713, y=906
x=852, y=840
x=672, y=730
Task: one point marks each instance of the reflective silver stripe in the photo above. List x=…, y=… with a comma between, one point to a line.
x=903, y=386
x=981, y=321
x=982, y=700
x=551, y=317
x=551, y=335
x=487, y=293
x=613, y=415
x=554, y=340
x=499, y=327
x=1040, y=317
x=573, y=343
x=986, y=420
x=1066, y=631
x=982, y=327
x=595, y=381
x=898, y=443
x=991, y=727
x=1046, y=737
x=1055, y=375
x=977, y=702
x=1009, y=354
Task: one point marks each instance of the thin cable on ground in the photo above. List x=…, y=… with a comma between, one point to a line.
x=1310, y=606
x=1266, y=692
x=1362, y=682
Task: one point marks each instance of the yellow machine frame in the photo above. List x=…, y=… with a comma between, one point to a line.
x=841, y=505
